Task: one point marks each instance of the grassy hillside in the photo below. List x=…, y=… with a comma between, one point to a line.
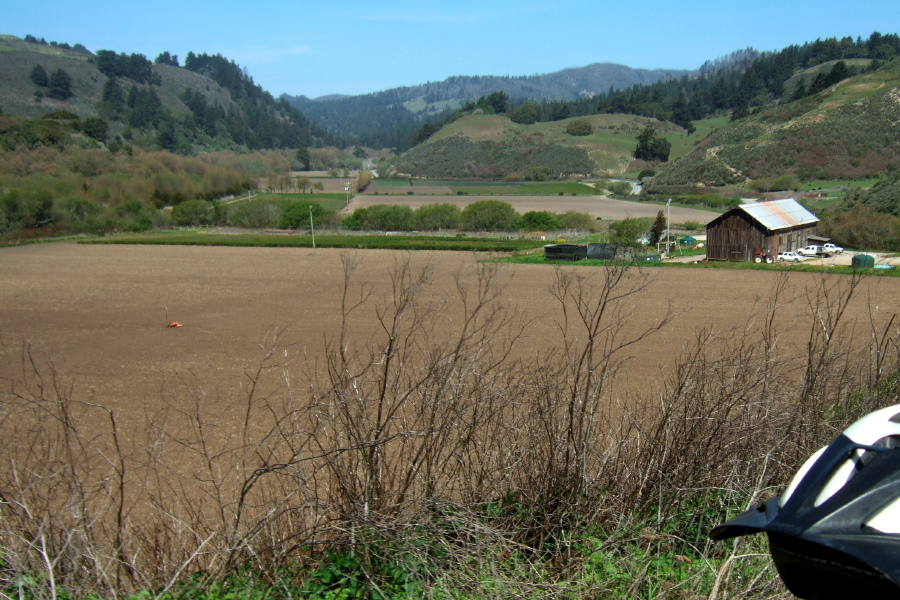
x=227, y=109
x=18, y=58
x=493, y=147
x=848, y=131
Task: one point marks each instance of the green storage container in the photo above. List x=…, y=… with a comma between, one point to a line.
x=863, y=261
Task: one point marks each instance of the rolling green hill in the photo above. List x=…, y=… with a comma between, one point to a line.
x=847, y=131
x=493, y=147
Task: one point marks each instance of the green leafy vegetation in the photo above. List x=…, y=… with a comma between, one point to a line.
x=579, y=127
x=883, y=196
x=620, y=189
x=489, y=215
x=627, y=232
x=863, y=227
x=539, y=220
x=651, y=147
x=463, y=158
x=92, y=190
x=842, y=133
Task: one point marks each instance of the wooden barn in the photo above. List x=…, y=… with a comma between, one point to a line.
x=768, y=227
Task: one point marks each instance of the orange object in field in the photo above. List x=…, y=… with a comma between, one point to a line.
x=174, y=324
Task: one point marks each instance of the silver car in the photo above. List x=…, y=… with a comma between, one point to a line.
x=789, y=257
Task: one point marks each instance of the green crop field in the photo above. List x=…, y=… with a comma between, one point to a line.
x=330, y=201
x=325, y=241
x=527, y=189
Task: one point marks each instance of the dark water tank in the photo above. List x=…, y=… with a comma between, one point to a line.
x=862, y=261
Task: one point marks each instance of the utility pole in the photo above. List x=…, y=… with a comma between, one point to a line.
x=312, y=230
x=668, y=214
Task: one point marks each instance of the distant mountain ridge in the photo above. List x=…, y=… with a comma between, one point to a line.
x=566, y=84
x=402, y=110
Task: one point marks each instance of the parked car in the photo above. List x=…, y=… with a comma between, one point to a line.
x=834, y=249
x=789, y=257
x=814, y=250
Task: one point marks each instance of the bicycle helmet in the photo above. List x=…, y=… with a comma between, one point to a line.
x=835, y=532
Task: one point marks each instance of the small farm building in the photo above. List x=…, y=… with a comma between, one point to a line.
x=565, y=252
x=771, y=227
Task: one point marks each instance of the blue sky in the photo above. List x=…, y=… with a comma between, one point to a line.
x=355, y=47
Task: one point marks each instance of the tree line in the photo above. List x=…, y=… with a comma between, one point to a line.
x=79, y=48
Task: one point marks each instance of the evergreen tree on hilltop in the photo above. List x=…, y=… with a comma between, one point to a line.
x=133, y=66
x=165, y=58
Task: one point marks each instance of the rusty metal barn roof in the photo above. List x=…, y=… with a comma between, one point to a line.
x=779, y=214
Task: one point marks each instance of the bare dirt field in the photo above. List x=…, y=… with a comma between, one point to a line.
x=99, y=312
x=84, y=342
x=596, y=206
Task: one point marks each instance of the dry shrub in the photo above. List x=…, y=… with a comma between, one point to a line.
x=487, y=472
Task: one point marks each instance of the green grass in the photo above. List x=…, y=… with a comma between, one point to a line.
x=527, y=189
x=491, y=188
x=610, y=146
x=537, y=258
x=682, y=144
x=399, y=183
x=332, y=201
x=324, y=241
x=835, y=186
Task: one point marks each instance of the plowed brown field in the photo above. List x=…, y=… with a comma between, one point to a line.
x=99, y=312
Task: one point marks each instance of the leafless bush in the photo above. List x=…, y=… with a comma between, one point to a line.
x=481, y=464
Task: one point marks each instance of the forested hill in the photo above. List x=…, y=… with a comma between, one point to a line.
x=792, y=88
x=743, y=83
x=390, y=118
x=209, y=102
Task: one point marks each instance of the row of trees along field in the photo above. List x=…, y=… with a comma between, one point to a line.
x=290, y=211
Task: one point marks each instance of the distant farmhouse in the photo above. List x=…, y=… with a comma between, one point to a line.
x=768, y=227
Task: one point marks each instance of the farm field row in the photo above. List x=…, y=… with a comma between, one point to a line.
x=99, y=312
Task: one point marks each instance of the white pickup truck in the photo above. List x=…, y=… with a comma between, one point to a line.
x=834, y=249
x=814, y=250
